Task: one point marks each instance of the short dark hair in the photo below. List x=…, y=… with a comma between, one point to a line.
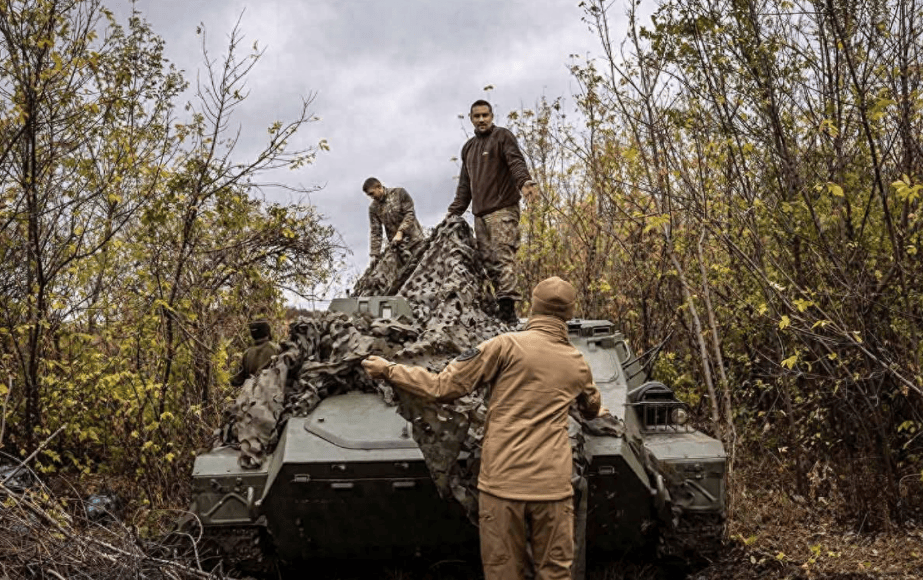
x=481, y=103
x=370, y=183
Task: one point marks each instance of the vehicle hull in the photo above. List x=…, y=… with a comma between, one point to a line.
x=348, y=481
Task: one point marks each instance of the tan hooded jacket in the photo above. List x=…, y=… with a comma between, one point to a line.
x=534, y=376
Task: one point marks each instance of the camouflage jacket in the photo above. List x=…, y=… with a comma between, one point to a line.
x=395, y=213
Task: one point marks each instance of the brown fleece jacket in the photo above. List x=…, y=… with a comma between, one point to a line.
x=493, y=171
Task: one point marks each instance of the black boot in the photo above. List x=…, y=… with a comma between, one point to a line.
x=506, y=311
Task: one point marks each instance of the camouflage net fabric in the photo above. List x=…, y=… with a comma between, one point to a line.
x=385, y=275
x=443, y=285
x=445, y=289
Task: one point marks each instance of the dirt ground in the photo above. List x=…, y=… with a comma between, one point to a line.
x=772, y=534
x=811, y=550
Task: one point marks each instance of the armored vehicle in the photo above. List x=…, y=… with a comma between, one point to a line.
x=349, y=481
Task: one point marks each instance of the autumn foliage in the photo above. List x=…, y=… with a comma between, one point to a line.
x=744, y=178
x=740, y=179
x=134, y=242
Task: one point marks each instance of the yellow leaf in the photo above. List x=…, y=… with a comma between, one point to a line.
x=835, y=189
x=790, y=361
x=784, y=323
x=656, y=222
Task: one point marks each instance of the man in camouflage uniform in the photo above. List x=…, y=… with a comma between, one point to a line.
x=392, y=208
x=493, y=178
x=257, y=357
x=525, y=492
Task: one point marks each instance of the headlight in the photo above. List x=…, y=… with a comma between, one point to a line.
x=679, y=416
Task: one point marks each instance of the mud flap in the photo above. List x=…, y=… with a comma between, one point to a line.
x=663, y=502
x=578, y=568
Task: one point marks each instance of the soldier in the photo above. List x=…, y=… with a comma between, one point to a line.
x=392, y=208
x=257, y=357
x=493, y=175
x=526, y=463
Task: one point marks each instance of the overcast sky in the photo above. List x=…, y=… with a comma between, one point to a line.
x=390, y=78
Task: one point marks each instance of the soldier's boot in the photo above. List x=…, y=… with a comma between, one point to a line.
x=506, y=311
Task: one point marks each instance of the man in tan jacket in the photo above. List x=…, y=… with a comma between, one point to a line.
x=526, y=463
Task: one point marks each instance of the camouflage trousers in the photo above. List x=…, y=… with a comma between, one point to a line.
x=497, y=235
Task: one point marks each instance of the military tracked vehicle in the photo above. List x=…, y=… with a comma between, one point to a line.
x=349, y=481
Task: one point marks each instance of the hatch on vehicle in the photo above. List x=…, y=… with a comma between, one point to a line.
x=359, y=421
x=385, y=307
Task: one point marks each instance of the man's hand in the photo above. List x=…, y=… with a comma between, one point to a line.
x=529, y=192
x=603, y=411
x=376, y=367
x=397, y=237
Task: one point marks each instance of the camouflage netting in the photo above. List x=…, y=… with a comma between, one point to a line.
x=444, y=287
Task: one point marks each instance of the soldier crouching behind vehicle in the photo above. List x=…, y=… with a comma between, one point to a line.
x=526, y=462
x=256, y=357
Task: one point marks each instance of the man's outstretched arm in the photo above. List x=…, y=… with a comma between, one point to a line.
x=467, y=372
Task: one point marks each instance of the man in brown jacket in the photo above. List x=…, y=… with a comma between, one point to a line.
x=526, y=462
x=493, y=177
x=391, y=209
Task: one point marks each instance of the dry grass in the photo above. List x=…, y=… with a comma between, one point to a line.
x=773, y=534
x=47, y=535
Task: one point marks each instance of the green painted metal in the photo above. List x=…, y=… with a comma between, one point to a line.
x=348, y=480
x=384, y=307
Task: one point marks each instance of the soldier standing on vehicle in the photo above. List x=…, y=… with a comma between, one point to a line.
x=493, y=178
x=391, y=208
x=526, y=463
x=256, y=357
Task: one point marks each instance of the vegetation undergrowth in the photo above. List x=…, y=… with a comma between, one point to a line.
x=739, y=182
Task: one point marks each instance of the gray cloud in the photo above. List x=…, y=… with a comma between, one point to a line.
x=390, y=77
